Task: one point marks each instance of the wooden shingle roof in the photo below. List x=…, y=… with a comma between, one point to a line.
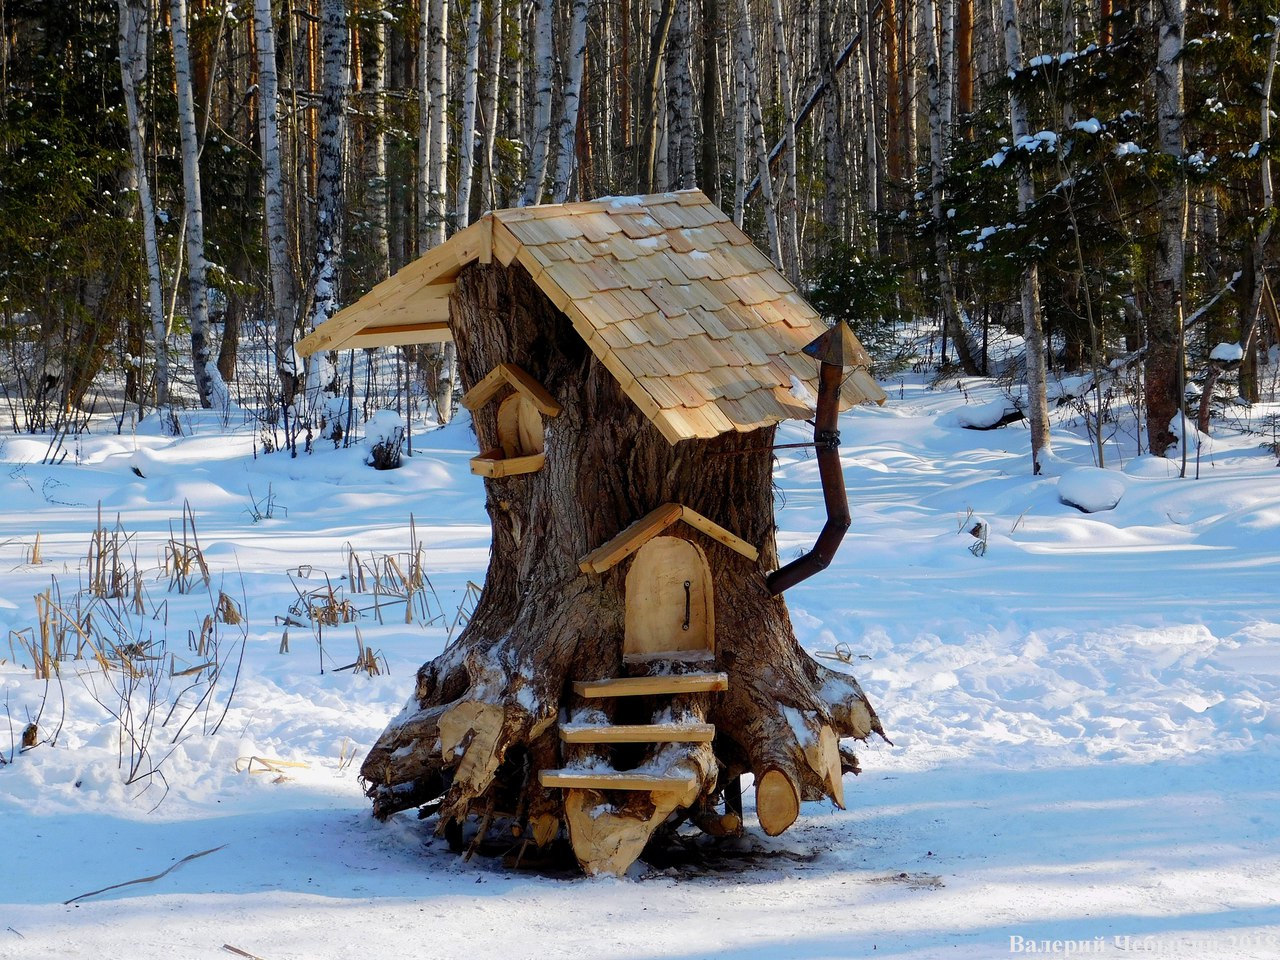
x=697, y=325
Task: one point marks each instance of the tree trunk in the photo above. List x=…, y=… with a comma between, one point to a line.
x=209, y=384
x=467, y=138
x=134, y=24
x=788, y=196
x=1164, y=316
x=544, y=64
x=481, y=723
x=952, y=323
x=1032, y=327
x=746, y=46
x=1248, y=387
x=709, y=162
x=284, y=310
x=647, y=140
x=576, y=56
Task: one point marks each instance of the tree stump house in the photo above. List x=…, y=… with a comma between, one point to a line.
x=626, y=362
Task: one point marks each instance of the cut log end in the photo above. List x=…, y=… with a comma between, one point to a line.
x=777, y=802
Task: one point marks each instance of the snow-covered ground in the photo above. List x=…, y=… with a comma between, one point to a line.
x=1084, y=707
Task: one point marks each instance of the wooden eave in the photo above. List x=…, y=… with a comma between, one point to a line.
x=698, y=327
x=652, y=524
x=411, y=306
x=510, y=375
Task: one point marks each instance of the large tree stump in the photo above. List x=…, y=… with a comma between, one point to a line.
x=484, y=716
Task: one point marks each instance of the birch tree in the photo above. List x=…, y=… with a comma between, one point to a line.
x=571, y=99
x=329, y=161
x=467, y=134
x=937, y=171
x=681, y=150
x=209, y=385
x=433, y=132
x=788, y=228
x=134, y=27
x=1164, y=317
x=284, y=302
x=746, y=51
x=1032, y=328
x=543, y=65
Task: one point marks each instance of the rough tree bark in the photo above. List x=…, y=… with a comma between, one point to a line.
x=1164, y=317
x=482, y=720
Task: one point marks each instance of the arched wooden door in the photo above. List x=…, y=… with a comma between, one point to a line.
x=670, y=605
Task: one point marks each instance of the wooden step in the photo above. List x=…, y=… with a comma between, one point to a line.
x=638, y=733
x=643, y=686
x=614, y=780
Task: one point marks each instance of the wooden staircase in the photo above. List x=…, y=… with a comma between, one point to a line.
x=580, y=733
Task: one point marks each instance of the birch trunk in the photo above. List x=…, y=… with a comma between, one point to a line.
x=467, y=134
x=1164, y=324
x=134, y=26
x=1032, y=327
x=284, y=303
x=740, y=131
x=329, y=161
x=937, y=169
x=209, y=383
x=543, y=65
x=489, y=107
x=422, y=235
x=575, y=62
x=709, y=172
x=747, y=60
x=681, y=152
x=378, y=186
x=788, y=198
x=871, y=151
x=438, y=124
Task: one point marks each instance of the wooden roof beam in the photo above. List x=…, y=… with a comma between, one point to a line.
x=508, y=374
x=635, y=536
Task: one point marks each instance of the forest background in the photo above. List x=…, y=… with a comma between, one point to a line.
x=186, y=184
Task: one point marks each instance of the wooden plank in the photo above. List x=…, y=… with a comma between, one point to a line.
x=400, y=335
x=499, y=466
x=718, y=533
x=615, y=780
x=638, y=733
x=505, y=243
x=485, y=389
x=647, y=686
x=524, y=383
x=631, y=539
x=379, y=303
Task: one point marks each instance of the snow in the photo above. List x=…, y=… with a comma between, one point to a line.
x=1090, y=489
x=1085, y=718
x=1227, y=353
x=983, y=416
